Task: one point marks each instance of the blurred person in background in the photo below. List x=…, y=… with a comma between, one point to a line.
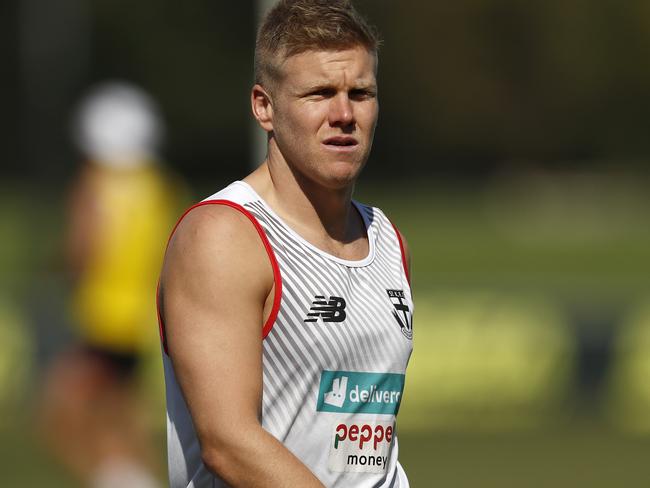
x=120, y=209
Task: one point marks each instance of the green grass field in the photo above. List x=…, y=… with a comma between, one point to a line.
x=472, y=417
x=574, y=456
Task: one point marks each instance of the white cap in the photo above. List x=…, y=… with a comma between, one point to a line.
x=119, y=125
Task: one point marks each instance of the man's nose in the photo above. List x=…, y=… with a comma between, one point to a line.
x=341, y=110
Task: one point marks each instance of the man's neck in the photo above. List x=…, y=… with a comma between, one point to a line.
x=323, y=216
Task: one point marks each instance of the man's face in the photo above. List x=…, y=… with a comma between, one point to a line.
x=324, y=114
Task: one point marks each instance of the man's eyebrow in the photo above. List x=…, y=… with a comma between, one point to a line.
x=316, y=86
x=365, y=85
x=326, y=85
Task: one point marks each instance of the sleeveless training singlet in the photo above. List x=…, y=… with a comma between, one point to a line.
x=111, y=302
x=335, y=351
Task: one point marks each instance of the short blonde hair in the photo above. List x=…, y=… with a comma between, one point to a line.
x=295, y=26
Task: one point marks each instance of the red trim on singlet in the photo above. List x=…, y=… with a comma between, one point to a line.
x=277, y=277
x=161, y=326
x=401, y=248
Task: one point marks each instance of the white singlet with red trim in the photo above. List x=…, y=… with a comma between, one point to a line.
x=334, y=356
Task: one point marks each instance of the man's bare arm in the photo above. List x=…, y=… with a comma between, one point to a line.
x=216, y=280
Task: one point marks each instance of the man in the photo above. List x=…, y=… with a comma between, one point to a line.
x=119, y=210
x=286, y=307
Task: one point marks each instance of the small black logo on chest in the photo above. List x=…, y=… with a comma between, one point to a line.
x=401, y=313
x=330, y=310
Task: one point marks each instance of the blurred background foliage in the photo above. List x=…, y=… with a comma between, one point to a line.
x=475, y=86
x=512, y=151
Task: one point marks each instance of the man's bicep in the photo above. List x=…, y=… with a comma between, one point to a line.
x=215, y=281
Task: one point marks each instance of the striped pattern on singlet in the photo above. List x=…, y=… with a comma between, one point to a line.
x=335, y=352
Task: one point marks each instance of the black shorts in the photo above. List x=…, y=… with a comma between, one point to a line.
x=122, y=364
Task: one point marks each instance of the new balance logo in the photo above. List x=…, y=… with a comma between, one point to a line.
x=332, y=310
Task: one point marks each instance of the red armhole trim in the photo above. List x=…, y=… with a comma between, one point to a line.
x=401, y=248
x=277, y=278
x=161, y=326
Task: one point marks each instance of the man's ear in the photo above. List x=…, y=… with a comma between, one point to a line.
x=262, y=107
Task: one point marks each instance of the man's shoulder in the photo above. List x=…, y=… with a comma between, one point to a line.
x=213, y=224
x=238, y=192
x=220, y=216
x=373, y=214
x=214, y=244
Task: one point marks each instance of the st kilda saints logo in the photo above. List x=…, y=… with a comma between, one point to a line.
x=330, y=310
x=401, y=313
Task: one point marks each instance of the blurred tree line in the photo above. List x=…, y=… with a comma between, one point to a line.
x=466, y=87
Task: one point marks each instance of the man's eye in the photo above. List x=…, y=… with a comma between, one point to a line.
x=323, y=92
x=361, y=94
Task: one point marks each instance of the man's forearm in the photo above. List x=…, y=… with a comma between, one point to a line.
x=256, y=459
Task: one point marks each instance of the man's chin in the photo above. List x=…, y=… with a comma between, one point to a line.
x=331, y=182
x=341, y=175
x=332, y=175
